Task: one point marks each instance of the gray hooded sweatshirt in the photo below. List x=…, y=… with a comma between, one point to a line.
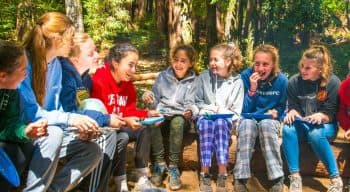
x=173, y=96
x=219, y=95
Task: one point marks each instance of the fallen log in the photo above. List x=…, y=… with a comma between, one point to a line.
x=145, y=76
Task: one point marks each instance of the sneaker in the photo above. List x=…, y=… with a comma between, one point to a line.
x=221, y=183
x=143, y=184
x=295, y=184
x=240, y=185
x=205, y=183
x=278, y=185
x=174, y=177
x=158, y=174
x=336, y=185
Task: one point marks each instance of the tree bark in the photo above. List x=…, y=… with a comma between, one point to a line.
x=347, y=13
x=24, y=19
x=257, y=22
x=248, y=17
x=179, y=22
x=220, y=23
x=174, y=24
x=161, y=17
x=74, y=11
x=211, y=25
x=138, y=10
x=240, y=18
x=229, y=21
x=149, y=6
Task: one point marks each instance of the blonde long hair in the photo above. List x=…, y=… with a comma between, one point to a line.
x=323, y=58
x=39, y=40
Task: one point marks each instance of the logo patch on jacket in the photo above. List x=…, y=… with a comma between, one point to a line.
x=82, y=93
x=321, y=95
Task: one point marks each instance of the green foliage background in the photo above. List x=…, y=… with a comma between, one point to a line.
x=108, y=20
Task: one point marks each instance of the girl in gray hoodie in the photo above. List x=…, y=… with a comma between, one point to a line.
x=219, y=90
x=172, y=95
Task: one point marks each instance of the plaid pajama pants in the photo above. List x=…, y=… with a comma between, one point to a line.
x=214, y=135
x=248, y=131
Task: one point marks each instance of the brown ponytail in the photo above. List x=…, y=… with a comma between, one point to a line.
x=38, y=41
x=323, y=58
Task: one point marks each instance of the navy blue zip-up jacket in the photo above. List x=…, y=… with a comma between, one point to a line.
x=73, y=92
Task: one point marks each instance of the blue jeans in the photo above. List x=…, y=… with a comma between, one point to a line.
x=318, y=136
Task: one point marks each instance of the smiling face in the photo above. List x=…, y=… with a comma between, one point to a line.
x=309, y=69
x=126, y=68
x=11, y=80
x=181, y=64
x=218, y=64
x=263, y=64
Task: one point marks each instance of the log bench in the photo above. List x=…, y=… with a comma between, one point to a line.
x=309, y=166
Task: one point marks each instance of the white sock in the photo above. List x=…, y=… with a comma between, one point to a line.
x=141, y=172
x=121, y=183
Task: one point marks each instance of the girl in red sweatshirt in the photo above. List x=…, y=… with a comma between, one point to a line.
x=113, y=86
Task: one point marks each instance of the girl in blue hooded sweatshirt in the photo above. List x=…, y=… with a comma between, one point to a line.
x=219, y=90
x=264, y=93
x=40, y=98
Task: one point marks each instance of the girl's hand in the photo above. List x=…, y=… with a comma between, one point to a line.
x=316, y=118
x=254, y=78
x=36, y=129
x=132, y=122
x=116, y=121
x=347, y=134
x=87, y=127
x=153, y=113
x=148, y=97
x=83, y=123
x=273, y=112
x=187, y=114
x=290, y=117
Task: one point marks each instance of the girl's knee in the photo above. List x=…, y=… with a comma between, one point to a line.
x=288, y=131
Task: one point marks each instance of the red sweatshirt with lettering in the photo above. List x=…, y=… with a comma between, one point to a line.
x=343, y=114
x=118, y=98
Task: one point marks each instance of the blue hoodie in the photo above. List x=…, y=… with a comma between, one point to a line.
x=30, y=110
x=272, y=95
x=73, y=91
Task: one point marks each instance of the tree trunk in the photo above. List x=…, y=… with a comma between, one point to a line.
x=211, y=25
x=138, y=10
x=179, y=22
x=240, y=18
x=347, y=13
x=257, y=22
x=174, y=27
x=229, y=21
x=220, y=24
x=161, y=18
x=305, y=38
x=74, y=11
x=24, y=19
x=248, y=17
x=149, y=7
